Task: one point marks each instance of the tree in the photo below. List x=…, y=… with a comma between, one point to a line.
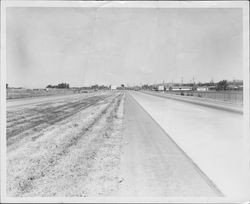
x=122, y=85
x=59, y=86
x=102, y=87
x=222, y=85
x=145, y=86
x=7, y=85
x=194, y=87
x=63, y=86
x=95, y=86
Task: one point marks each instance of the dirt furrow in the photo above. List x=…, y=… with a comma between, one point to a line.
x=59, y=104
x=28, y=171
x=48, y=116
x=90, y=165
x=32, y=134
x=47, y=119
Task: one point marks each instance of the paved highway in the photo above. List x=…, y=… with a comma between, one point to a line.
x=212, y=138
x=152, y=164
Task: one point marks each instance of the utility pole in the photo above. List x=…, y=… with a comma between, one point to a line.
x=163, y=86
x=212, y=81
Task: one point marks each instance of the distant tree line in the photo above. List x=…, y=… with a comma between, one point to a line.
x=59, y=86
x=222, y=85
x=99, y=87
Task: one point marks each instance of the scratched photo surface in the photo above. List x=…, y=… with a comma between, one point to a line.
x=125, y=102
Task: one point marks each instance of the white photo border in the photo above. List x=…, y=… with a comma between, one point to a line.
x=244, y=5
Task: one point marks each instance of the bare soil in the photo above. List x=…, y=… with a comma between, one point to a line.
x=70, y=147
x=15, y=93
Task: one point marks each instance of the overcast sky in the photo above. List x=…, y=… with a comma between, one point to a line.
x=84, y=46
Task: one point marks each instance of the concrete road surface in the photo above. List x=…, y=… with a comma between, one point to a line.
x=152, y=164
x=213, y=138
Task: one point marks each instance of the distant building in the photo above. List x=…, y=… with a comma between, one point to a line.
x=113, y=87
x=234, y=87
x=160, y=88
x=212, y=88
x=202, y=88
x=180, y=88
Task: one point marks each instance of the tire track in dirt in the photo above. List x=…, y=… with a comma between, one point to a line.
x=53, y=110
x=15, y=115
x=50, y=116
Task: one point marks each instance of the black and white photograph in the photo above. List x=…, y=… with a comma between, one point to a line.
x=111, y=101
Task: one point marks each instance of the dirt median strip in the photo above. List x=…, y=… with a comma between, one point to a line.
x=43, y=172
